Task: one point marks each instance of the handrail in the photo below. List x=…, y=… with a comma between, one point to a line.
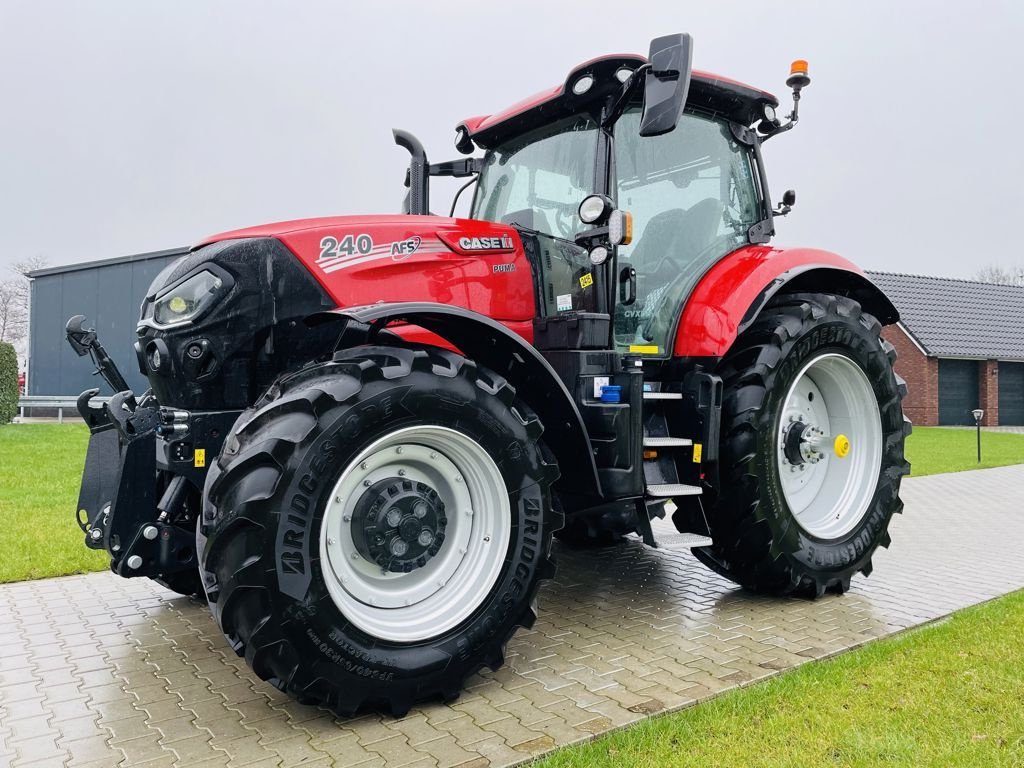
x=60, y=402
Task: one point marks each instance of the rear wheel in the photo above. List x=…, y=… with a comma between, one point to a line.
x=377, y=527
x=812, y=448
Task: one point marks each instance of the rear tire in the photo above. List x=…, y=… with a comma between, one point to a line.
x=303, y=573
x=804, y=516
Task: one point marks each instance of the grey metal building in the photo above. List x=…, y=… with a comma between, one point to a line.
x=108, y=293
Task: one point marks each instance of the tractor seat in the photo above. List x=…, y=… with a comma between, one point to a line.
x=667, y=249
x=675, y=237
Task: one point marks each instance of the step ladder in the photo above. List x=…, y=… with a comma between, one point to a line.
x=661, y=476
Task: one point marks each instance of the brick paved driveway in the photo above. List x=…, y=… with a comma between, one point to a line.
x=100, y=671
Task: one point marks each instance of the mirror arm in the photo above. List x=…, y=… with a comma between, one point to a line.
x=457, y=168
x=625, y=94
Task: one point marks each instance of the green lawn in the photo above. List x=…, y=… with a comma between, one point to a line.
x=41, y=464
x=40, y=468
x=950, y=694
x=931, y=450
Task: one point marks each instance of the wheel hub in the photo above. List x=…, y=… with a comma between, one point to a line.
x=805, y=443
x=399, y=524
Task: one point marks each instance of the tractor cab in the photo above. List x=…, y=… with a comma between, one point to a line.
x=692, y=195
x=690, y=190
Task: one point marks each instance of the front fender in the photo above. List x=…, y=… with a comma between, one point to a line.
x=733, y=292
x=494, y=346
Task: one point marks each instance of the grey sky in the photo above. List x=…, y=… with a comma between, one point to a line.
x=134, y=126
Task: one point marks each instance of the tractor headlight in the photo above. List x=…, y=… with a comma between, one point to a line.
x=185, y=301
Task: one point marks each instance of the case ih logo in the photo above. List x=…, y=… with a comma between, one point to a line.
x=503, y=243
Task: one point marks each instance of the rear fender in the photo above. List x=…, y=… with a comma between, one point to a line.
x=494, y=346
x=734, y=291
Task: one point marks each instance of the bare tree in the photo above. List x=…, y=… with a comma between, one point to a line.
x=995, y=273
x=13, y=312
x=14, y=296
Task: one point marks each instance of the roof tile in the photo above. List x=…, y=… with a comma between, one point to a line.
x=950, y=317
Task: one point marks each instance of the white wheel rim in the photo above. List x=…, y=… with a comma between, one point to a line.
x=434, y=598
x=827, y=493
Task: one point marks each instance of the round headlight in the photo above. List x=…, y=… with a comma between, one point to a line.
x=769, y=112
x=599, y=255
x=155, y=359
x=593, y=208
x=622, y=74
x=177, y=305
x=583, y=85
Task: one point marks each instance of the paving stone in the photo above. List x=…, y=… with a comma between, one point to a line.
x=111, y=672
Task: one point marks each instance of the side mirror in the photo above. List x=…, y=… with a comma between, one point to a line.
x=667, y=83
x=788, y=201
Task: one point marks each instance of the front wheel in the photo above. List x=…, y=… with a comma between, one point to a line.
x=378, y=527
x=812, y=448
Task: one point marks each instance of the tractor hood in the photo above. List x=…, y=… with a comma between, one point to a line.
x=361, y=260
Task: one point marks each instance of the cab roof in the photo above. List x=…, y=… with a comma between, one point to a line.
x=735, y=100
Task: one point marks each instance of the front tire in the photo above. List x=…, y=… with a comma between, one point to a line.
x=811, y=455
x=310, y=578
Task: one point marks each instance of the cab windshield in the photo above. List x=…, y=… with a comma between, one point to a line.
x=537, y=180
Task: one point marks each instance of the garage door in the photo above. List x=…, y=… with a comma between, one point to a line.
x=1011, y=393
x=958, y=391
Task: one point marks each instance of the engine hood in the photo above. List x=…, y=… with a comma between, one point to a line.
x=479, y=265
x=279, y=228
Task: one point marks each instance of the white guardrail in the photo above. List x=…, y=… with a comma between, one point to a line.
x=58, y=402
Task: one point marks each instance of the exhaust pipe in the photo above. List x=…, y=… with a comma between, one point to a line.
x=417, y=179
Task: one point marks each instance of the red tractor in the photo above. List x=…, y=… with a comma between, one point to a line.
x=362, y=432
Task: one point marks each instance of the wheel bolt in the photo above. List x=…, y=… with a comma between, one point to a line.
x=364, y=466
x=398, y=449
x=367, y=483
x=425, y=538
x=399, y=547
x=346, y=518
x=331, y=540
x=95, y=534
x=394, y=517
x=401, y=473
x=420, y=510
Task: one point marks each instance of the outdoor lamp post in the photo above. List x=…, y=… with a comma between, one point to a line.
x=978, y=414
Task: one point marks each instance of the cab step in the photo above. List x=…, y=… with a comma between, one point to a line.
x=663, y=395
x=676, y=541
x=668, y=490
x=667, y=442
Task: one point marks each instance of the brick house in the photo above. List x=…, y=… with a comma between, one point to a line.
x=961, y=347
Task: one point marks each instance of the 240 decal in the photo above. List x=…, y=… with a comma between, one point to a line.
x=349, y=245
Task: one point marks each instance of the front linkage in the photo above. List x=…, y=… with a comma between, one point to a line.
x=144, y=472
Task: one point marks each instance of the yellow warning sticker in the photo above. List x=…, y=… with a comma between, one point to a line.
x=200, y=458
x=644, y=349
x=698, y=451
x=586, y=280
